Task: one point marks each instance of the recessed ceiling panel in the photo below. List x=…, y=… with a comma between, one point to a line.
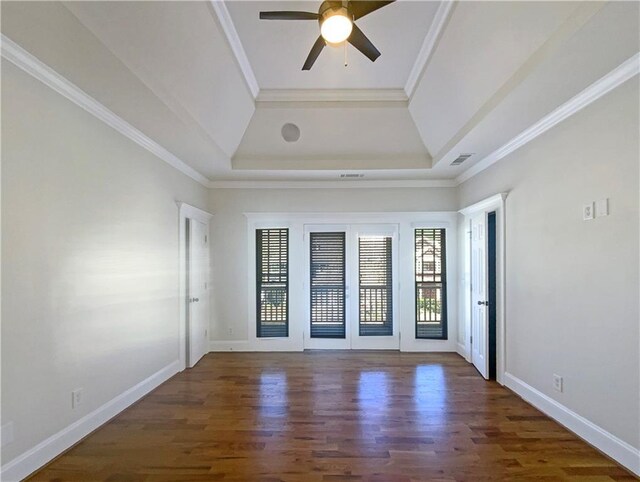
x=277, y=49
x=332, y=137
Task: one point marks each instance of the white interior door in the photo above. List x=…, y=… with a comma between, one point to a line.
x=197, y=291
x=479, y=305
x=352, y=287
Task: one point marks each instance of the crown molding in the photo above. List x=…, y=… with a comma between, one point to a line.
x=229, y=29
x=45, y=74
x=373, y=184
x=332, y=95
x=428, y=46
x=615, y=78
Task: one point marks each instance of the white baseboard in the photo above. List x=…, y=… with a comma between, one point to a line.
x=617, y=449
x=34, y=458
x=274, y=345
x=462, y=351
x=262, y=345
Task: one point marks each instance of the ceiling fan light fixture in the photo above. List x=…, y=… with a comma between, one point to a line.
x=335, y=25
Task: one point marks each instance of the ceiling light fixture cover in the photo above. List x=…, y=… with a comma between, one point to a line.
x=335, y=25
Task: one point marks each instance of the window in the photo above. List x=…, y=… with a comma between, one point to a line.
x=328, y=285
x=376, y=287
x=431, y=283
x=272, y=282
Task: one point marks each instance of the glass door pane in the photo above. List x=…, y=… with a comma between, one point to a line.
x=327, y=284
x=375, y=285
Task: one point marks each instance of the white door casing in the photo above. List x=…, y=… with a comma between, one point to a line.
x=479, y=308
x=326, y=343
x=352, y=339
x=383, y=342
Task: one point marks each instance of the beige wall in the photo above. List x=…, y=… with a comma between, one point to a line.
x=89, y=260
x=572, y=286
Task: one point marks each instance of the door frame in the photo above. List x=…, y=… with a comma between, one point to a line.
x=374, y=342
x=352, y=270
x=495, y=204
x=186, y=211
x=327, y=343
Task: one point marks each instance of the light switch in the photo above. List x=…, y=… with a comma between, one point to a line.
x=587, y=212
x=602, y=207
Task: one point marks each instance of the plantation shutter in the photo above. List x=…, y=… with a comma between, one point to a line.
x=375, y=290
x=431, y=283
x=272, y=282
x=327, y=284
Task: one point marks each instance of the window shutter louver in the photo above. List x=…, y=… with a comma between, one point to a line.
x=272, y=282
x=327, y=284
x=431, y=283
x=376, y=286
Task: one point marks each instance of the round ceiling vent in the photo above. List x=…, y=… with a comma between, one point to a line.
x=290, y=132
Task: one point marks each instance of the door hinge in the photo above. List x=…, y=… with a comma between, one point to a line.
x=205, y=238
x=471, y=340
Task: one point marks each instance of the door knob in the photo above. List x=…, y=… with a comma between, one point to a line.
x=194, y=300
x=486, y=303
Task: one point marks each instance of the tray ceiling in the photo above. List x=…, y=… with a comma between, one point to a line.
x=213, y=85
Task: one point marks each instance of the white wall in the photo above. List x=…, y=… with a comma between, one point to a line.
x=89, y=261
x=230, y=242
x=572, y=286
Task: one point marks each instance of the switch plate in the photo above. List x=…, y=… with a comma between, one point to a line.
x=557, y=382
x=76, y=398
x=587, y=212
x=602, y=207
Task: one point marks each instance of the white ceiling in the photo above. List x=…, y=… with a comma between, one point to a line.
x=277, y=49
x=186, y=75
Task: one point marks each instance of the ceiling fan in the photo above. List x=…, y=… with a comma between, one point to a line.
x=337, y=24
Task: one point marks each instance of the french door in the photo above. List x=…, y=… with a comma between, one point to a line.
x=352, y=286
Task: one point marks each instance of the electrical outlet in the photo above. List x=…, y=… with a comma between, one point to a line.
x=587, y=212
x=6, y=434
x=230, y=331
x=602, y=207
x=557, y=382
x=76, y=398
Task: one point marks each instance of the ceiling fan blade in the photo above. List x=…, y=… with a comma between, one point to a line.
x=313, y=55
x=360, y=8
x=288, y=16
x=360, y=41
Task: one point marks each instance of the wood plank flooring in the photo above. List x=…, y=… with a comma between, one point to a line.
x=331, y=416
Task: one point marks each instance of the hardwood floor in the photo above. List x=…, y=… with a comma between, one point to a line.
x=331, y=416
